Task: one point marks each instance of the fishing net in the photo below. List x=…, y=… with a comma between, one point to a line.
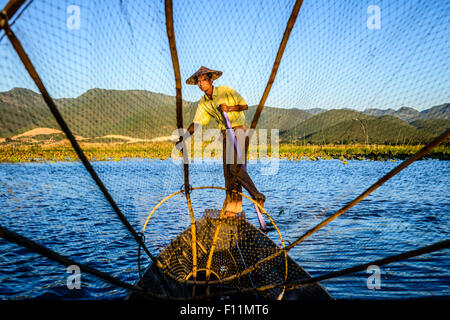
x=225, y=248
x=108, y=67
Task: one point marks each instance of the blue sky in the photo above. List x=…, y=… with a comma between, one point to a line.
x=332, y=60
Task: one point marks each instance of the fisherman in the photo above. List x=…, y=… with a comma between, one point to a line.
x=215, y=101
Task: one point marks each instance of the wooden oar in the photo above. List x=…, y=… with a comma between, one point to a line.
x=262, y=223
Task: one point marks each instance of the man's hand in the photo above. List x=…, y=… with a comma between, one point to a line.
x=177, y=140
x=190, y=131
x=179, y=144
x=224, y=108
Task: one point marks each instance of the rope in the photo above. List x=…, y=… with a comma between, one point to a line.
x=53, y=108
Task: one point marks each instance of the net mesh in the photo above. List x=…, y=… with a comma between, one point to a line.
x=236, y=245
x=107, y=66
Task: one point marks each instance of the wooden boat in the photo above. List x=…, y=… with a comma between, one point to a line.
x=238, y=246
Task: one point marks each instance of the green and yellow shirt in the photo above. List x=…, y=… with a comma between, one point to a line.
x=208, y=108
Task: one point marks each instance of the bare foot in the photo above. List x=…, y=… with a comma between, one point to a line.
x=229, y=214
x=261, y=203
x=234, y=206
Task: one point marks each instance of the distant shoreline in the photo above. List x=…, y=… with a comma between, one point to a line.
x=22, y=153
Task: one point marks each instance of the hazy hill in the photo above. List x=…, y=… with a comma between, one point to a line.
x=146, y=115
x=377, y=130
x=437, y=112
x=277, y=117
x=22, y=110
x=432, y=127
x=134, y=113
x=320, y=122
x=97, y=112
x=411, y=114
x=404, y=113
x=315, y=110
x=345, y=126
x=138, y=114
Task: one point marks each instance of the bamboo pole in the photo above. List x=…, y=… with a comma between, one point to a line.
x=445, y=244
x=179, y=109
x=438, y=140
x=40, y=249
x=11, y=8
x=64, y=127
x=276, y=64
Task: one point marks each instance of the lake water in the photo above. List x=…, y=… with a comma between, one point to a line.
x=58, y=205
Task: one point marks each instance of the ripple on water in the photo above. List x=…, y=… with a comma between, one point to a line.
x=59, y=206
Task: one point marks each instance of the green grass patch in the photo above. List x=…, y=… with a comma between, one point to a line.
x=16, y=152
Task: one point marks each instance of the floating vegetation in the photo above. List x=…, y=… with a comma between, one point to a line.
x=359, y=152
x=17, y=152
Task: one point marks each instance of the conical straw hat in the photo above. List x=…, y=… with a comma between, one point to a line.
x=193, y=79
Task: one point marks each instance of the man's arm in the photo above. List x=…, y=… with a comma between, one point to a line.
x=192, y=128
x=240, y=107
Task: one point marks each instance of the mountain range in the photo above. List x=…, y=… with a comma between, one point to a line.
x=147, y=115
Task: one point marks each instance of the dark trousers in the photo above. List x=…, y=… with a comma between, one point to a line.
x=230, y=169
